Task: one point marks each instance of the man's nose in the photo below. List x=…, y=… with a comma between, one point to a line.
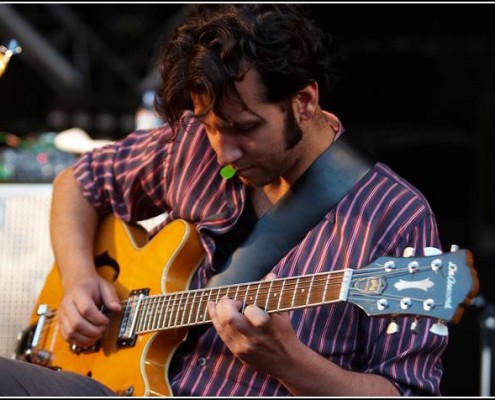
x=227, y=148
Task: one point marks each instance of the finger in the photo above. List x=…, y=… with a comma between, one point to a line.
x=76, y=329
x=270, y=276
x=110, y=298
x=256, y=316
x=225, y=314
x=85, y=306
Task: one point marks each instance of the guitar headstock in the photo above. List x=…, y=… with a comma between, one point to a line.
x=436, y=286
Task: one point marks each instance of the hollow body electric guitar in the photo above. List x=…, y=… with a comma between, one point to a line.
x=151, y=279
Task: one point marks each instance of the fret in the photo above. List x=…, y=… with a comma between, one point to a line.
x=161, y=312
x=247, y=297
x=243, y=289
x=326, y=286
x=154, y=313
x=217, y=296
x=268, y=295
x=281, y=295
x=185, y=309
x=294, y=293
x=301, y=290
x=178, y=309
x=191, y=308
x=222, y=292
x=236, y=294
x=166, y=316
x=200, y=305
x=205, y=314
x=255, y=300
x=310, y=289
x=171, y=310
x=147, y=311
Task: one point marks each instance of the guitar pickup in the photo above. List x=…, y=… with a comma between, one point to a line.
x=127, y=330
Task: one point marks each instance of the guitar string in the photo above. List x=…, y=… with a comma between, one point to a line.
x=318, y=283
x=301, y=299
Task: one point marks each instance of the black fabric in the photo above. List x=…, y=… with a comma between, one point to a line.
x=328, y=179
x=227, y=243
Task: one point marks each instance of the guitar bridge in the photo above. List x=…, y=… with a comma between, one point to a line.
x=127, y=330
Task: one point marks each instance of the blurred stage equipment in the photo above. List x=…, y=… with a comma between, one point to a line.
x=33, y=159
x=77, y=141
x=6, y=53
x=487, y=339
x=146, y=116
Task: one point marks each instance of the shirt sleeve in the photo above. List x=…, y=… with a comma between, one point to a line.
x=129, y=177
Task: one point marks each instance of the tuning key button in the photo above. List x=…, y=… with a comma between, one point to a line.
x=428, y=304
x=440, y=329
x=436, y=264
x=431, y=251
x=413, y=267
x=389, y=266
x=414, y=326
x=408, y=252
x=405, y=303
x=393, y=327
x=382, y=304
x=454, y=248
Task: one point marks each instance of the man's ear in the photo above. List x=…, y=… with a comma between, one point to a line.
x=305, y=102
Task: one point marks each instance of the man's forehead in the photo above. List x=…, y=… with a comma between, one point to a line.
x=231, y=110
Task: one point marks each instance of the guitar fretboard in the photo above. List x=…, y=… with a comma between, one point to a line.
x=183, y=309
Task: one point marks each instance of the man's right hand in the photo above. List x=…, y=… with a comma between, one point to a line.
x=81, y=321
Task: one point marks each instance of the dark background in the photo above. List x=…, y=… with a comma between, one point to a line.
x=417, y=90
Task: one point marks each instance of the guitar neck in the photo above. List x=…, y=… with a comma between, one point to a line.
x=185, y=309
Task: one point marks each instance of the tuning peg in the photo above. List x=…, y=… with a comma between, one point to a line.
x=440, y=329
x=393, y=327
x=414, y=325
x=454, y=248
x=408, y=252
x=431, y=251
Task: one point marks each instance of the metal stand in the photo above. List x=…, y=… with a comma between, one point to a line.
x=487, y=331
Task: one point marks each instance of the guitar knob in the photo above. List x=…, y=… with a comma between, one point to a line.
x=393, y=327
x=431, y=251
x=440, y=329
x=408, y=252
x=454, y=248
x=414, y=326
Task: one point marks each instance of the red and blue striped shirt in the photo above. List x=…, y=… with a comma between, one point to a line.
x=153, y=172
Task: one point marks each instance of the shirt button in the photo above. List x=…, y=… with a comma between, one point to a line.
x=201, y=361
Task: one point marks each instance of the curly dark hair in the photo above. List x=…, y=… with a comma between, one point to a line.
x=219, y=43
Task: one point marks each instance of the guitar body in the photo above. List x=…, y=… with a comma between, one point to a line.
x=164, y=265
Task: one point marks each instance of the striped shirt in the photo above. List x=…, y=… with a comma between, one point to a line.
x=151, y=172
